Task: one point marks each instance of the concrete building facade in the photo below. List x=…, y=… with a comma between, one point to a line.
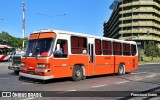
x=137, y=20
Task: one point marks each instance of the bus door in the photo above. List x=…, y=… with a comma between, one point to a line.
x=61, y=60
x=91, y=59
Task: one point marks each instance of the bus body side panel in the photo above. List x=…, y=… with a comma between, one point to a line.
x=131, y=62
x=63, y=67
x=4, y=57
x=60, y=67
x=117, y=61
x=135, y=63
x=104, y=65
x=128, y=61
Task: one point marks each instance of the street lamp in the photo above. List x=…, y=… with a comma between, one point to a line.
x=50, y=17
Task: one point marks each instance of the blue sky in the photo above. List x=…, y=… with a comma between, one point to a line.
x=84, y=16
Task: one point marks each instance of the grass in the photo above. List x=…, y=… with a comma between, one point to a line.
x=147, y=60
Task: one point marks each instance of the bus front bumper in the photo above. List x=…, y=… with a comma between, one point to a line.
x=36, y=76
x=17, y=68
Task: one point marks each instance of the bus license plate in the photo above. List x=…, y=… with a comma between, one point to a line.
x=31, y=73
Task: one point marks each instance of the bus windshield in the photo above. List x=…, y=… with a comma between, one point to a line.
x=6, y=51
x=39, y=47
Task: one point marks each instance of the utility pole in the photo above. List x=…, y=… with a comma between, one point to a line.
x=23, y=22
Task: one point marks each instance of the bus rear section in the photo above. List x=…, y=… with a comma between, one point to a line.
x=57, y=54
x=126, y=56
x=6, y=52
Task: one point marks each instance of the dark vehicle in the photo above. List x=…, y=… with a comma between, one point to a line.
x=15, y=64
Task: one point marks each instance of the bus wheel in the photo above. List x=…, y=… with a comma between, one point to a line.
x=121, y=69
x=77, y=74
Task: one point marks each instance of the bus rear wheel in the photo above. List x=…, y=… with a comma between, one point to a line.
x=77, y=74
x=121, y=69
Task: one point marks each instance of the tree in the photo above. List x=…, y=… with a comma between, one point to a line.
x=151, y=49
x=7, y=39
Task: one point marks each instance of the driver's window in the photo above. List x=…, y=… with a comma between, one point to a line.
x=61, y=50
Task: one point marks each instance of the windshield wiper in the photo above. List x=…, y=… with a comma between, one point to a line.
x=35, y=47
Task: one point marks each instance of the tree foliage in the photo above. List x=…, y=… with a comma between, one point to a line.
x=7, y=39
x=152, y=49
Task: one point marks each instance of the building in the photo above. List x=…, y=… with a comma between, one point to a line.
x=137, y=20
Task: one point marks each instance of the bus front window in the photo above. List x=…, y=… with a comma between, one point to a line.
x=39, y=47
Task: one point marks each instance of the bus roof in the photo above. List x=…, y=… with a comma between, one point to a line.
x=82, y=34
x=4, y=46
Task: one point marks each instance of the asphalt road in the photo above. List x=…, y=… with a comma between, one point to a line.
x=140, y=82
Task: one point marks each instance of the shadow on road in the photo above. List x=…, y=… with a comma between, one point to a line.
x=152, y=91
x=58, y=80
x=36, y=81
x=13, y=73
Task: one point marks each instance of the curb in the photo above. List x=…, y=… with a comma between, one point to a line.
x=149, y=64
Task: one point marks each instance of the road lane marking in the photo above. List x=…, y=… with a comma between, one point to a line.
x=150, y=76
x=66, y=91
x=96, y=86
x=138, y=79
x=28, y=98
x=72, y=90
x=4, y=78
x=27, y=83
x=121, y=82
x=139, y=73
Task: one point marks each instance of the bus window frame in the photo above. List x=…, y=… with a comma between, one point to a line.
x=101, y=51
x=111, y=47
x=135, y=49
x=123, y=51
x=61, y=57
x=87, y=51
x=114, y=50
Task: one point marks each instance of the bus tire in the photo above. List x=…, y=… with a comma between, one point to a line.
x=77, y=74
x=121, y=69
x=124, y=69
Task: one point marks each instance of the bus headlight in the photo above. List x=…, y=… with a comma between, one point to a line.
x=41, y=65
x=23, y=64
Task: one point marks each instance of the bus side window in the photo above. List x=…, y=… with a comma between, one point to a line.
x=78, y=45
x=126, y=49
x=117, y=48
x=106, y=47
x=133, y=50
x=98, y=48
x=61, y=50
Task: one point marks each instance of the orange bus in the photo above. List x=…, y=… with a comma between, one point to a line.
x=55, y=54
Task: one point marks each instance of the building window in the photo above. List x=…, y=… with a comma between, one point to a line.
x=78, y=45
